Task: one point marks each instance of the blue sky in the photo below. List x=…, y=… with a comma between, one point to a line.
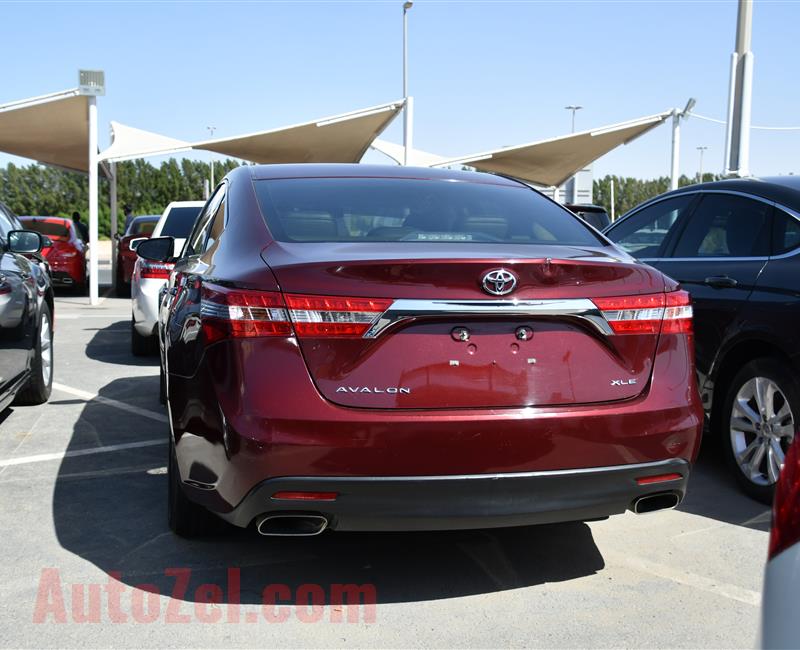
x=483, y=74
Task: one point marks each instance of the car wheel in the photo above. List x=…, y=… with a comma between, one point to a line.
x=185, y=517
x=38, y=387
x=760, y=412
x=141, y=346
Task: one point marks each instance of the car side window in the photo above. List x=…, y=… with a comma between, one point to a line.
x=643, y=234
x=785, y=233
x=194, y=244
x=726, y=225
x=216, y=225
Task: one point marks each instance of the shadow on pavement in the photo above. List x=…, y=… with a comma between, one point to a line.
x=112, y=344
x=713, y=492
x=110, y=509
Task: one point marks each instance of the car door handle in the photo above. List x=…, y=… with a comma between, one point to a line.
x=721, y=282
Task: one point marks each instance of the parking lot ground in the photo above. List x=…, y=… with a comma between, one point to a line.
x=83, y=490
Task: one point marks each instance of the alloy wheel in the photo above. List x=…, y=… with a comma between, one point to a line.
x=46, y=348
x=761, y=429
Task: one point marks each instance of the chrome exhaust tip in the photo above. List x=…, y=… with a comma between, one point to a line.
x=291, y=525
x=655, y=502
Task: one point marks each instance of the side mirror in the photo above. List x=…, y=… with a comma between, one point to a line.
x=25, y=241
x=158, y=249
x=134, y=243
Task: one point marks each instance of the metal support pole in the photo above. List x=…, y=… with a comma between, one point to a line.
x=112, y=200
x=407, y=110
x=611, y=191
x=738, y=150
x=731, y=102
x=676, y=146
x=408, y=129
x=94, y=293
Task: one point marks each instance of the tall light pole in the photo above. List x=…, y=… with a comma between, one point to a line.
x=574, y=110
x=677, y=115
x=737, y=137
x=700, y=173
x=407, y=110
x=211, y=130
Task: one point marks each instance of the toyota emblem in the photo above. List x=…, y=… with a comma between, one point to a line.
x=499, y=282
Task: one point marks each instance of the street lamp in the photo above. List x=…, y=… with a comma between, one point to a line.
x=700, y=174
x=406, y=112
x=574, y=110
x=211, y=130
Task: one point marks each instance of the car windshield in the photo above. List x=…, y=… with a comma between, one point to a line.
x=179, y=221
x=142, y=227
x=414, y=210
x=53, y=229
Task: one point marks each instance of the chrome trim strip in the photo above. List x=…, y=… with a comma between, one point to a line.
x=658, y=464
x=705, y=259
x=408, y=310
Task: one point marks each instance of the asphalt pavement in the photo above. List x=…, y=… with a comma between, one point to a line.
x=89, y=560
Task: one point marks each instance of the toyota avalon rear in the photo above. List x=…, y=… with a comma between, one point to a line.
x=375, y=348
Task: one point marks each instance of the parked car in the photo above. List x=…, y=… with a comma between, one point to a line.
x=735, y=246
x=594, y=215
x=148, y=277
x=780, y=605
x=363, y=347
x=26, y=316
x=66, y=253
x=139, y=228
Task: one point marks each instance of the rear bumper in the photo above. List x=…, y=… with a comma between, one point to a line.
x=144, y=304
x=467, y=501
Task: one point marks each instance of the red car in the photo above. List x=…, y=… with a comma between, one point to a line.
x=363, y=347
x=67, y=255
x=138, y=229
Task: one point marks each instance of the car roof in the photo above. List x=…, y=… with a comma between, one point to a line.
x=358, y=170
x=784, y=190
x=146, y=217
x=64, y=221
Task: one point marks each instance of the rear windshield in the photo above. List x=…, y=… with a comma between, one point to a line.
x=179, y=222
x=411, y=210
x=144, y=227
x=57, y=230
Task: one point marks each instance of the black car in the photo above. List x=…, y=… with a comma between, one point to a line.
x=735, y=246
x=594, y=215
x=26, y=316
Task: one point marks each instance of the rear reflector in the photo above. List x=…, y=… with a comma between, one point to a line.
x=155, y=270
x=659, y=478
x=669, y=313
x=320, y=316
x=786, y=507
x=306, y=496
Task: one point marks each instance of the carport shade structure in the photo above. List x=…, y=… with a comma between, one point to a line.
x=58, y=129
x=552, y=162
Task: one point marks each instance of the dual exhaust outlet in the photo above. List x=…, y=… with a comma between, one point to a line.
x=655, y=502
x=291, y=525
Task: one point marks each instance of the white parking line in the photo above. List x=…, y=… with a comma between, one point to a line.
x=724, y=589
x=24, y=460
x=94, y=397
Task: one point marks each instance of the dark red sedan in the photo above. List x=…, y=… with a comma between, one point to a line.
x=364, y=347
x=138, y=229
x=67, y=255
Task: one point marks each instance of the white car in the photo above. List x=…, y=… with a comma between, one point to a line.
x=780, y=605
x=148, y=277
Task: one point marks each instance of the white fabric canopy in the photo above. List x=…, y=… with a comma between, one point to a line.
x=341, y=138
x=553, y=162
x=129, y=143
x=52, y=129
x=416, y=157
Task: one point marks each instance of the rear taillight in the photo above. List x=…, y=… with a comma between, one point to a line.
x=154, y=270
x=242, y=313
x=246, y=313
x=669, y=313
x=320, y=316
x=786, y=507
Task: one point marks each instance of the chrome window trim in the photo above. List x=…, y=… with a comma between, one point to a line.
x=761, y=258
x=404, y=310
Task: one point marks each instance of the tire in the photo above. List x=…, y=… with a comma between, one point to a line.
x=760, y=413
x=38, y=387
x=185, y=517
x=141, y=346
